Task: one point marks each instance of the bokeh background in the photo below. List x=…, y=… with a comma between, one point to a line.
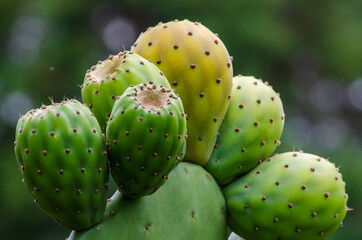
x=310, y=51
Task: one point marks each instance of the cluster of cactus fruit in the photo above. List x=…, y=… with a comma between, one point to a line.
x=188, y=146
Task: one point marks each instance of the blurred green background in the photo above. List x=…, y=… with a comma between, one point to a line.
x=310, y=51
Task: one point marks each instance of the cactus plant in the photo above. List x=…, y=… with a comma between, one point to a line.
x=110, y=78
x=146, y=138
x=197, y=64
x=290, y=196
x=250, y=131
x=189, y=206
x=61, y=153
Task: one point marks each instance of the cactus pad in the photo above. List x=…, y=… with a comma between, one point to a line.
x=189, y=206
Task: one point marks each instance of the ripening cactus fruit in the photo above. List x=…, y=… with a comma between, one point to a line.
x=146, y=137
x=189, y=206
x=293, y=195
x=61, y=153
x=110, y=78
x=198, y=66
x=250, y=131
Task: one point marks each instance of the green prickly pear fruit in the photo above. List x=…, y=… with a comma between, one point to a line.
x=110, y=78
x=293, y=195
x=146, y=137
x=189, y=206
x=197, y=64
x=62, y=156
x=250, y=131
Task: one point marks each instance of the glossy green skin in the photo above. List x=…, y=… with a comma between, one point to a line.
x=290, y=196
x=189, y=206
x=144, y=146
x=197, y=64
x=101, y=95
x=250, y=131
x=70, y=186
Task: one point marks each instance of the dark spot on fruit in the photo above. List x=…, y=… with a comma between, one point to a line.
x=33, y=131
x=286, y=165
x=207, y=53
x=237, y=129
x=139, y=147
x=327, y=194
x=243, y=149
x=174, y=83
x=256, y=123
x=61, y=171
x=67, y=150
x=175, y=46
x=276, y=219
x=218, y=80
x=303, y=187
x=277, y=182
x=314, y=214
x=193, y=66
x=112, y=212
x=149, y=43
x=45, y=153
x=290, y=205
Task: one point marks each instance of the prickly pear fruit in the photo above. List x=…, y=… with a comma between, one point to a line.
x=146, y=136
x=61, y=153
x=250, y=131
x=197, y=64
x=110, y=78
x=290, y=196
x=189, y=206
